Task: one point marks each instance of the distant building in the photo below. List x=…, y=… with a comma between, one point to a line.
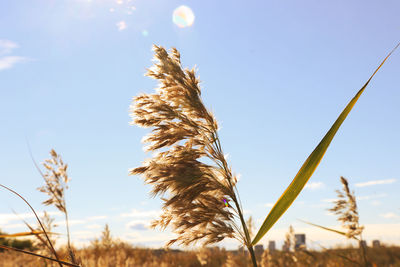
x=259, y=249
x=271, y=246
x=376, y=244
x=300, y=241
x=363, y=243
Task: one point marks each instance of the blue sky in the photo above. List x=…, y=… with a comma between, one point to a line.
x=276, y=74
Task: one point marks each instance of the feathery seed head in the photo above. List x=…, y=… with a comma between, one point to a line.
x=346, y=208
x=188, y=169
x=56, y=181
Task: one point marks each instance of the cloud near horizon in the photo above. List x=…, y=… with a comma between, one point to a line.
x=7, y=62
x=7, y=46
x=121, y=25
x=390, y=215
x=138, y=225
x=314, y=185
x=141, y=214
x=368, y=197
x=6, y=218
x=376, y=182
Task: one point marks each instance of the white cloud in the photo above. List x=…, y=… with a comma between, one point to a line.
x=390, y=215
x=269, y=205
x=9, y=61
x=330, y=200
x=94, y=226
x=376, y=203
x=6, y=218
x=14, y=225
x=376, y=182
x=84, y=235
x=314, y=185
x=121, y=25
x=138, y=225
x=7, y=46
x=358, y=198
x=95, y=218
x=367, y=197
x=70, y=222
x=157, y=239
x=141, y=214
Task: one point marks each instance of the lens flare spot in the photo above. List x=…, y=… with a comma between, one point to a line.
x=226, y=203
x=183, y=16
x=121, y=25
x=145, y=33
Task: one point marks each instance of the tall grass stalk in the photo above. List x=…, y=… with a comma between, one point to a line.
x=37, y=218
x=188, y=169
x=56, y=183
x=345, y=207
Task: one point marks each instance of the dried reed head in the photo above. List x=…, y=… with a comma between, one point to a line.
x=188, y=169
x=290, y=240
x=56, y=183
x=346, y=208
x=56, y=180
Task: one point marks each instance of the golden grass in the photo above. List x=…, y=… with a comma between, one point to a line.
x=190, y=173
x=124, y=255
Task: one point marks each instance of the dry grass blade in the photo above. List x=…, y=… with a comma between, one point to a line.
x=325, y=228
x=23, y=234
x=38, y=255
x=42, y=240
x=37, y=218
x=310, y=165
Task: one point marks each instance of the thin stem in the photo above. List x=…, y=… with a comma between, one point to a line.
x=37, y=217
x=253, y=256
x=38, y=255
x=247, y=235
x=235, y=200
x=71, y=252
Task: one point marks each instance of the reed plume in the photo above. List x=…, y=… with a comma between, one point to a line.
x=346, y=208
x=188, y=168
x=56, y=183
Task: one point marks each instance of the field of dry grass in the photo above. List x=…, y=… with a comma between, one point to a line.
x=123, y=255
x=201, y=203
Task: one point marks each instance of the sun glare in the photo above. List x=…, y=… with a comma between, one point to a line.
x=183, y=16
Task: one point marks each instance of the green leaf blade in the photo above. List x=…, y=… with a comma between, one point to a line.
x=326, y=228
x=309, y=166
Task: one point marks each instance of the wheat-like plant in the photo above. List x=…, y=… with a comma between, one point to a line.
x=346, y=209
x=188, y=168
x=56, y=183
